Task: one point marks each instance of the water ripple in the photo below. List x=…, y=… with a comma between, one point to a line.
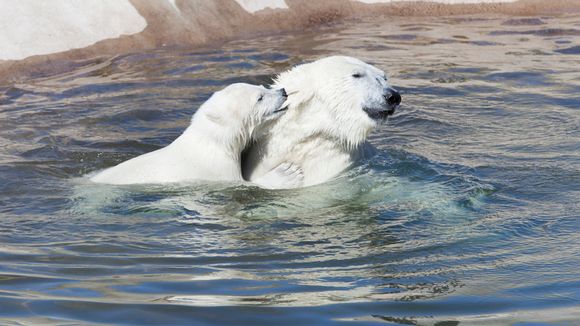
x=467, y=212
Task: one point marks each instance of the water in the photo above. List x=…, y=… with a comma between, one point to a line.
x=468, y=213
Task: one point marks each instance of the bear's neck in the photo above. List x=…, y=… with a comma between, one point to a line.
x=297, y=128
x=210, y=144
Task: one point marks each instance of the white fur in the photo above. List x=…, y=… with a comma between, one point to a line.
x=325, y=129
x=210, y=148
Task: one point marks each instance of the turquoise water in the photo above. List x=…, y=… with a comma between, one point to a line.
x=468, y=213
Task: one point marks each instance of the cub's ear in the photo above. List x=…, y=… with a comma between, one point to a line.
x=297, y=85
x=209, y=112
x=215, y=118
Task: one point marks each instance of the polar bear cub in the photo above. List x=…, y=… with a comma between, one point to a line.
x=210, y=148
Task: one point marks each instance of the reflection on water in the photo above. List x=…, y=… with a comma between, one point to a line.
x=467, y=213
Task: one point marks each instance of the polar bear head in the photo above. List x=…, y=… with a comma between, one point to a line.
x=345, y=97
x=239, y=112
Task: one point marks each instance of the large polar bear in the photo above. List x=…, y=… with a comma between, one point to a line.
x=210, y=148
x=335, y=103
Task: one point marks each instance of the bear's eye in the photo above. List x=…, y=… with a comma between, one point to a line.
x=357, y=75
x=260, y=98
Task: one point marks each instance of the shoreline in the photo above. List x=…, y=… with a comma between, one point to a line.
x=205, y=25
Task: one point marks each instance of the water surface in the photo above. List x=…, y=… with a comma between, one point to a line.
x=468, y=213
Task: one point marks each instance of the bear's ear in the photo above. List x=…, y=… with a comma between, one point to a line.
x=215, y=118
x=297, y=85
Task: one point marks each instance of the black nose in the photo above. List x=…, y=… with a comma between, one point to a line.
x=393, y=97
x=283, y=91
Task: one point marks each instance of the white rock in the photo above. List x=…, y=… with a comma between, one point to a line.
x=33, y=27
x=257, y=5
x=438, y=1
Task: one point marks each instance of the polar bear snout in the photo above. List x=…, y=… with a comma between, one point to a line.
x=393, y=97
x=390, y=102
x=274, y=103
x=284, y=96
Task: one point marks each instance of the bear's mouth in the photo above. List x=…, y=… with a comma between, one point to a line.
x=282, y=109
x=380, y=113
x=276, y=113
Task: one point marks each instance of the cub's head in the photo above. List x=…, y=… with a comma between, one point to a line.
x=240, y=111
x=347, y=97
